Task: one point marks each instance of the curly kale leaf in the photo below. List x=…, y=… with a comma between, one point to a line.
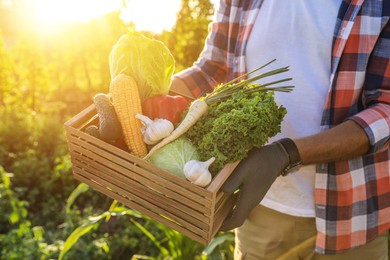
x=233, y=127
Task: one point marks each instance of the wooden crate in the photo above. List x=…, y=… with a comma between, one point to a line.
x=175, y=202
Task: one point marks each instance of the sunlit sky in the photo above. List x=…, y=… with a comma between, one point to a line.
x=151, y=15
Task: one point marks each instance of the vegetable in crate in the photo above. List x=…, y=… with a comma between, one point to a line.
x=221, y=93
x=174, y=156
x=148, y=61
x=109, y=127
x=166, y=107
x=127, y=104
x=154, y=130
x=232, y=127
x=93, y=130
x=198, y=172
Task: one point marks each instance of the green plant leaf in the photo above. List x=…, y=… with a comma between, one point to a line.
x=5, y=178
x=81, y=188
x=218, y=241
x=14, y=217
x=162, y=249
x=38, y=232
x=76, y=234
x=81, y=231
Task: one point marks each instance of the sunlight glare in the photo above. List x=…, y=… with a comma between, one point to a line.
x=151, y=15
x=51, y=13
x=148, y=15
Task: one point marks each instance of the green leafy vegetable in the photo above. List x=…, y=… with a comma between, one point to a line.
x=174, y=155
x=221, y=93
x=147, y=60
x=233, y=127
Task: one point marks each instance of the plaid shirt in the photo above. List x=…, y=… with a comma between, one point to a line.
x=352, y=198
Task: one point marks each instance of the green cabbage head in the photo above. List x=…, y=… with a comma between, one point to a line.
x=174, y=155
x=147, y=60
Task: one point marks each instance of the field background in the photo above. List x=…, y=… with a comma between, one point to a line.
x=46, y=77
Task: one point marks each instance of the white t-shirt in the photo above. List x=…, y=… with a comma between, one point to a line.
x=297, y=34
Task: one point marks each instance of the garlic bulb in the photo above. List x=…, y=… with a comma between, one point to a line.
x=198, y=172
x=154, y=130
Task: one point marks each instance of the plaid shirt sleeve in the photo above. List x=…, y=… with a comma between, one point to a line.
x=353, y=197
x=211, y=67
x=223, y=56
x=375, y=119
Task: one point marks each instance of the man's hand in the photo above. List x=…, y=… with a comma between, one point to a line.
x=254, y=175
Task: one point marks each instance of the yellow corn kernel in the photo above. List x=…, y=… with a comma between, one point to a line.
x=127, y=103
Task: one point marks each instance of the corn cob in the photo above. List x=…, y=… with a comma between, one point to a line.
x=127, y=103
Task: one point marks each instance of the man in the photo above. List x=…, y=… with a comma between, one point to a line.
x=336, y=129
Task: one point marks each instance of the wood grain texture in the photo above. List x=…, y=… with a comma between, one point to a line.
x=192, y=210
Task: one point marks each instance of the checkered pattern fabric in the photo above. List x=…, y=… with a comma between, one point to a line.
x=352, y=197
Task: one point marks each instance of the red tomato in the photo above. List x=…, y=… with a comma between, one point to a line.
x=166, y=107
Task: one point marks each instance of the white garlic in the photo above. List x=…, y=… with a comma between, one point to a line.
x=198, y=172
x=154, y=130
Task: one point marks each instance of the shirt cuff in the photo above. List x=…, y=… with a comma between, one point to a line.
x=375, y=122
x=196, y=81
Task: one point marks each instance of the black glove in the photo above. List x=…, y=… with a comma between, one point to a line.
x=255, y=174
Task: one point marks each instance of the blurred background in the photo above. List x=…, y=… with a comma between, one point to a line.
x=53, y=60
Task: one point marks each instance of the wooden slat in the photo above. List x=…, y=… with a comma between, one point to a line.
x=221, y=214
x=87, y=113
x=221, y=177
x=147, y=178
x=156, y=187
x=136, y=183
x=221, y=197
x=222, y=200
x=152, y=176
x=81, y=118
x=139, y=200
x=82, y=137
x=160, y=199
x=94, y=143
x=215, y=184
x=131, y=204
x=187, y=207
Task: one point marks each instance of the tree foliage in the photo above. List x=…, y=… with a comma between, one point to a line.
x=189, y=33
x=44, y=80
